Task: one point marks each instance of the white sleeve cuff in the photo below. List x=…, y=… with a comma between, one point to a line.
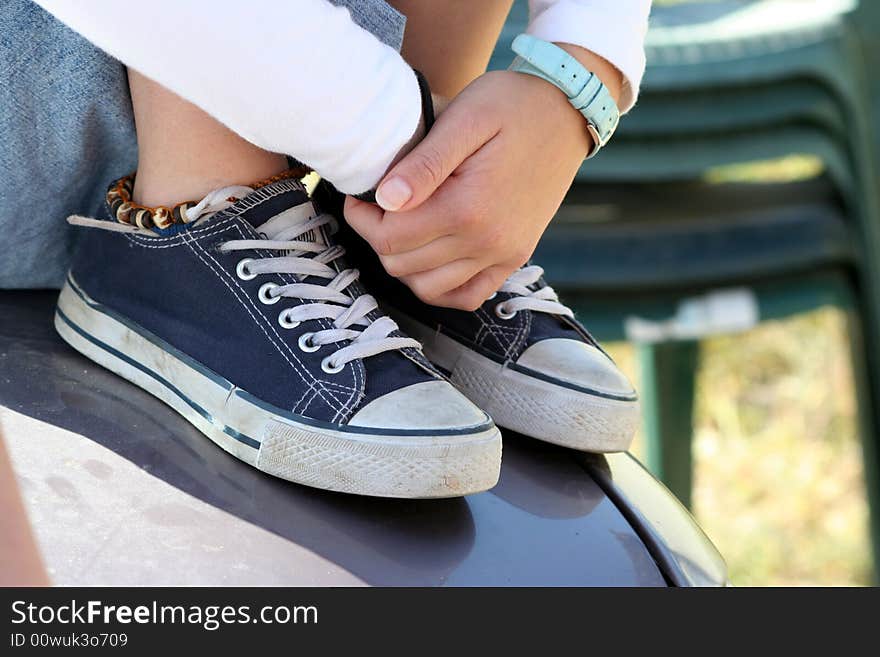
x=298, y=78
x=613, y=30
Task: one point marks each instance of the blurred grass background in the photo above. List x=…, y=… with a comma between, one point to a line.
x=778, y=477
x=778, y=474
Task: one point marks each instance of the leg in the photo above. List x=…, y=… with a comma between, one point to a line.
x=18, y=551
x=451, y=44
x=183, y=153
x=217, y=305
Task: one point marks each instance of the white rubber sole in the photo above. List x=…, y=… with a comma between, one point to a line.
x=526, y=404
x=365, y=462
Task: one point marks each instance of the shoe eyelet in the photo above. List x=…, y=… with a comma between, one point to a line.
x=241, y=270
x=305, y=343
x=264, y=296
x=285, y=321
x=501, y=312
x=330, y=368
x=494, y=294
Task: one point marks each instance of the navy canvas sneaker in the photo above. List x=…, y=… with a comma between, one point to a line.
x=240, y=313
x=522, y=356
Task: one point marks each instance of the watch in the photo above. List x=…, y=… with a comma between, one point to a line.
x=584, y=89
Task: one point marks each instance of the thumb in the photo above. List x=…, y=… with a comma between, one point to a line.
x=452, y=139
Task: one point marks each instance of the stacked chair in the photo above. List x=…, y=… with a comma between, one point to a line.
x=659, y=243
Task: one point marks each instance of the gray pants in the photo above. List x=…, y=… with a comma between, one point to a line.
x=67, y=130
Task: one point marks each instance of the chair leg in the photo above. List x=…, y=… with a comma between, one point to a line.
x=668, y=373
x=866, y=372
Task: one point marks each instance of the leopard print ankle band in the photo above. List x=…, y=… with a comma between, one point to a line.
x=128, y=212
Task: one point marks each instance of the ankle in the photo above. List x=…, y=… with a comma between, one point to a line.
x=127, y=210
x=158, y=184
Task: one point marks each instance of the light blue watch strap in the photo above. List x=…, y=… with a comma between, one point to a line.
x=584, y=90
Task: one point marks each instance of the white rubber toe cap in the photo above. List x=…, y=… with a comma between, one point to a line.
x=431, y=405
x=577, y=363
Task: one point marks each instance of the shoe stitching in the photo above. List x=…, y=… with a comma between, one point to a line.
x=491, y=327
x=336, y=397
x=146, y=245
x=521, y=339
x=419, y=359
x=262, y=194
x=299, y=368
x=308, y=391
x=150, y=242
x=307, y=401
x=219, y=228
x=303, y=396
x=512, y=336
x=350, y=398
x=484, y=332
x=481, y=334
x=344, y=398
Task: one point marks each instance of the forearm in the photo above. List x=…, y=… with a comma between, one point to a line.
x=296, y=78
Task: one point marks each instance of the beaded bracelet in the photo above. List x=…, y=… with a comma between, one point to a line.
x=127, y=212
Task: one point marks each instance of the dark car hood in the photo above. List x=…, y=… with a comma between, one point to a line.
x=99, y=456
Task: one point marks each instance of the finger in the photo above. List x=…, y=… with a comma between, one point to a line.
x=352, y=203
x=472, y=294
x=430, y=285
x=442, y=251
x=365, y=218
x=407, y=231
x=458, y=133
x=389, y=233
x=399, y=232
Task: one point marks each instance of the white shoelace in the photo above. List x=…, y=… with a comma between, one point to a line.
x=544, y=299
x=295, y=232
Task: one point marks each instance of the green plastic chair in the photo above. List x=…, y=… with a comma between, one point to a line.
x=744, y=42
x=669, y=369
x=741, y=64
x=685, y=114
x=698, y=45
x=737, y=63
x=617, y=239
x=689, y=158
x=613, y=255
x=761, y=71
x=827, y=58
x=729, y=83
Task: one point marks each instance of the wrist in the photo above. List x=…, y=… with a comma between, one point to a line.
x=555, y=111
x=610, y=76
x=571, y=70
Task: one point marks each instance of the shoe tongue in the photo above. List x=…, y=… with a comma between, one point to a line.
x=269, y=201
x=276, y=207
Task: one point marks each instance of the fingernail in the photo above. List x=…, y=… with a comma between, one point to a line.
x=393, y=194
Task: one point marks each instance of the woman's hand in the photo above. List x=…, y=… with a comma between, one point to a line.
x=467, y=206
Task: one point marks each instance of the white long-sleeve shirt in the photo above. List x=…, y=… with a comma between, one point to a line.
x=301, y=78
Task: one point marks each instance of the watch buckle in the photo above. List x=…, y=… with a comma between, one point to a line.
x=598, y=143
